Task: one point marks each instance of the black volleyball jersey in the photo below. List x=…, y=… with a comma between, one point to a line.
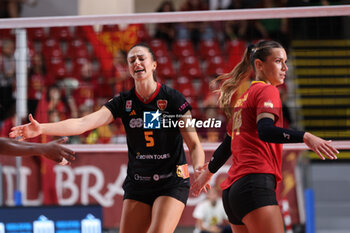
x=155, y=149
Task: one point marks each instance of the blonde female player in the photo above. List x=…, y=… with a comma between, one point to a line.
x=255, y=139
x=157, y=184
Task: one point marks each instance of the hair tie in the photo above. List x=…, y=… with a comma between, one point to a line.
x=252, y=48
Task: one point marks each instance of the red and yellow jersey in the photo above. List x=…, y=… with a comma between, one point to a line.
x=250, y=154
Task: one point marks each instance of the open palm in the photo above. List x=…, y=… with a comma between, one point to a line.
x=30, y=130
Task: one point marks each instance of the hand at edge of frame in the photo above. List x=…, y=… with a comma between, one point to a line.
x=320, y=146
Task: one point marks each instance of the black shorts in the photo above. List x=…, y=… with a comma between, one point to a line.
x=179, y=192
x=247, y=194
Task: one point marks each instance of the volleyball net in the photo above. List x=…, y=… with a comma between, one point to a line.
x=61, y=67
x=82, y=60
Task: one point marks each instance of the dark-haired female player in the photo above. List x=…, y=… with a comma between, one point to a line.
x=255, y=140
x=157, y=184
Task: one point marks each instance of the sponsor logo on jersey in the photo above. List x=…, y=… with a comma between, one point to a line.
x=151, y=120
x=128, y=105
x=153, y=156
x=268, y=104
x=162, y=104
x=135, y=123
x=133, y=113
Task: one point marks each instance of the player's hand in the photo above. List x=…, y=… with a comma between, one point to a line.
x=199, y=170
x=320, y=146
x=29, y=130
x=201, y=182
x=60, y=154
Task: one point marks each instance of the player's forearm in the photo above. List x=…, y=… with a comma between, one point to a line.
x=197, y=156
x=69, y=127
x=15, y=148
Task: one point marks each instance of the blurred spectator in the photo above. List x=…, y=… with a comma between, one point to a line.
x=210, y=215
x=12, y=8
x=165, y=31
x=55, y=102
x=194, y=31
x=9, y=122
x=120, y=79
x=102, y=134
x=234, y=29
x=275, y=29
x=86, y=97
x=194, y=5
x=52, y=108
x=84, y=94
x=219, y=4
x=248, y=30
x=7, y=77
x=37, y=82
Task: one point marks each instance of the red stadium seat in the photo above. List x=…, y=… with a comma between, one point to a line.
x=60, y=33
x=204, y=88
x=56, y=68
x=165, y=69
x=53, y=53
x=158, y=44
x=82, y=32
x=73, y=45
x=76, y=66
x=48, y=45
x=235, y=49
x=7, y=34
x=159, y=48
x=215, y=66
x=38, y=34
x=184, y=85
x=142, y=32
x=31, y=49
x=190, y=67
x=110, y=28
x=81, y=52
x=238, y=45
x=77, y=48
x=209, y=48
x=183, y=48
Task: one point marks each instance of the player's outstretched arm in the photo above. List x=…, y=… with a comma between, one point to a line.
x=72, y=126
x=268, y=132
x=52, y=150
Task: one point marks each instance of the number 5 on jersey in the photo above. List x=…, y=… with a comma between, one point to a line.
x=149, y=138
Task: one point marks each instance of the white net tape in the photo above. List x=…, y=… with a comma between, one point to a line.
x=184, y=16
x=340, y=145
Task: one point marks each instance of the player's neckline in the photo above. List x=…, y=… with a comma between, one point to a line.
x=151, y=97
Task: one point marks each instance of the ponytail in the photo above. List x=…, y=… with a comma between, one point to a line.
x=231, y=82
